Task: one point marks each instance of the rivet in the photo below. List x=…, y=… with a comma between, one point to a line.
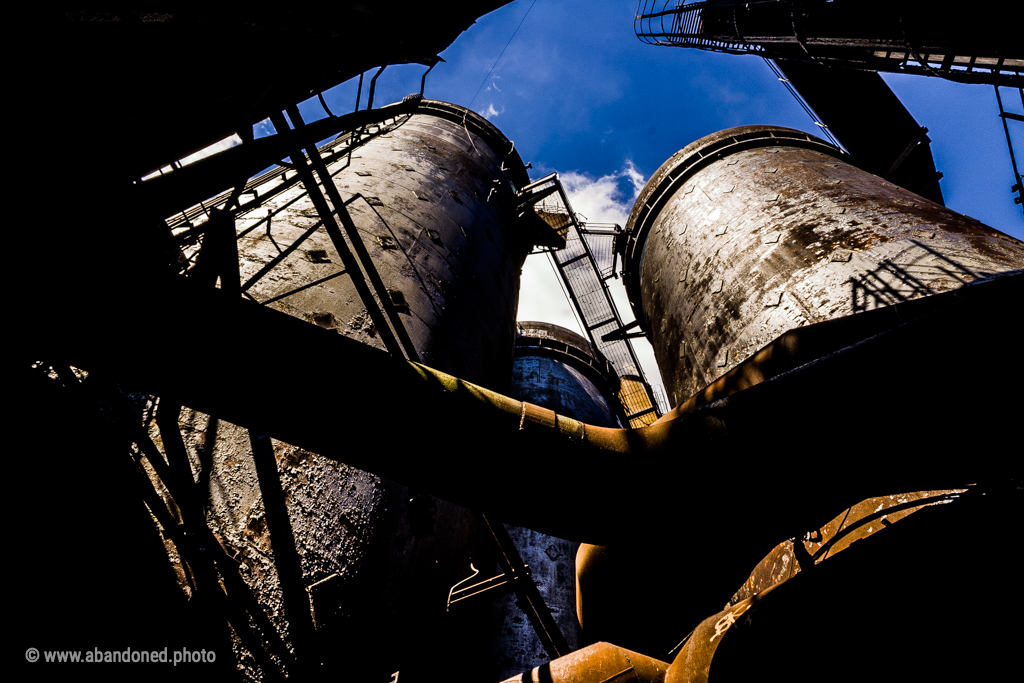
x=318, y=256
x=841, y=256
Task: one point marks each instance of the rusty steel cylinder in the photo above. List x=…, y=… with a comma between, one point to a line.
x=431, y=196
x=753, y=231
x=334, y=554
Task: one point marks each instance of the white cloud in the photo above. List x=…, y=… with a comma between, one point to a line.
x=491, y=112
x=603, y=199
x=541, y=296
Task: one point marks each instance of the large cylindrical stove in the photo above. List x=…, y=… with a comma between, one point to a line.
x=752, y=231
x=432, y=195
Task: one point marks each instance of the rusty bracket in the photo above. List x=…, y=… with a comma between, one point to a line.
x=501, y=581
x=622, y=332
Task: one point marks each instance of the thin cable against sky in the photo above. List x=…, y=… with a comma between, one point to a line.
x=470, y=105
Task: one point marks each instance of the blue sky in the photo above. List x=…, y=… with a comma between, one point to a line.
x=581, y=95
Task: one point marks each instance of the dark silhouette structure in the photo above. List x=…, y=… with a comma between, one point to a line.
x=829, y=51
x=220, y=366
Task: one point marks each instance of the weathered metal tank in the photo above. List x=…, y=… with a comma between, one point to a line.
x=559, y=370
x=737, y=241
x=351, y=569
x=432, y=196
x=752, y=231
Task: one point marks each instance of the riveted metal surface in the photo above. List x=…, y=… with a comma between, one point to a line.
x=516, y=646
x=759, y=210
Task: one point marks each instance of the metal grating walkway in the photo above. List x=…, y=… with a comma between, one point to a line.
x=585, y=264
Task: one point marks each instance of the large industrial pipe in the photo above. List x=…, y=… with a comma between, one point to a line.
x=598, y=663
x=700, y=472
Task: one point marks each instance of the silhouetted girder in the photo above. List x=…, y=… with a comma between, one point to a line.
x=187, y=186
x=146, y=88
x=979, y=45
x=863, y=113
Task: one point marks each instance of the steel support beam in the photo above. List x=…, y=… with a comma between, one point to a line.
x=530, y=600
x=349, y=261
x=357, y=241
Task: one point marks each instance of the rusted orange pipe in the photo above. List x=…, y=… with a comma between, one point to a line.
x=752, y=459
x=598, y=663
